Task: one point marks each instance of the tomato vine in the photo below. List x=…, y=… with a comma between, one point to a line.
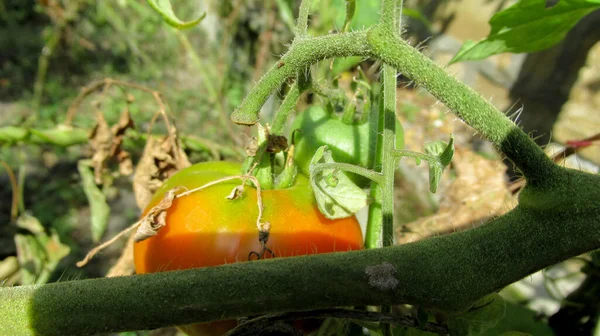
x=557, y=218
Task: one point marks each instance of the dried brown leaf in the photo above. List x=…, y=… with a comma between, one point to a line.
x=106, y=143
x=236, y=192
x=101, y=139
x=155, y=219
x=276, y=143
x=162, y=157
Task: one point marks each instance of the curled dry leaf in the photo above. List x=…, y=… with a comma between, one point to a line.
x=162, y=157
x=479, y=192
x=106, y=143
x=276, y=143
x=236, y=192
x=154, y=220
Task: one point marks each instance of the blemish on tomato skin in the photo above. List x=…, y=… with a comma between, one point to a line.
x=382, y=276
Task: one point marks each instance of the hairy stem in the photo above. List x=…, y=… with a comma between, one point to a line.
x=446, y=273
x=287, y=106
x=463, y=101
x=302, y=24
x=302, y=54
x=347, y=167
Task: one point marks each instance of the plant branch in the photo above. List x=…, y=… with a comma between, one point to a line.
x=14, y=207
x=446, y=273
x=302, y=24
x=388, y=13
x=255, y=325
x=463, y=101
x=385, y=44
x=302, y=54
x=287, y=106
x=358, y=170
x=66, y=136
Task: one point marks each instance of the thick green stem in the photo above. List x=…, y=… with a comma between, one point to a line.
x=381, y=213
x=447, y=273
x=463, y=101
x=383, y=43
x=385, y=157
x=301, y=55
x=287, y=106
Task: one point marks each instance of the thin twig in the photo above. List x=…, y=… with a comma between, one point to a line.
x=107, y=243
x=255, y=325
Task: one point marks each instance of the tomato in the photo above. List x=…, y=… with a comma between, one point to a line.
x=349, y=143
x=206, y=229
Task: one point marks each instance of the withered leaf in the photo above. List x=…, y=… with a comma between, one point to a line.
x=276, y=143
x=155, y=219
x=106, y=143
x=101, y=143
x=236, y=192
x=162, y=157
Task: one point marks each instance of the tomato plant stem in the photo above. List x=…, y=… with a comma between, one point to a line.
x=302, y=53
x=381, y=213
x=447, y=273
x=385, y=157
x=347, y=167
x=287, y=106
x=302, y=24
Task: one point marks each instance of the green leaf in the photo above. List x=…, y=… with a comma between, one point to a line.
x=366, y=13
x=99, y=209
x=286, y=14
x=164, y=8
x=335, y=200
x=415, y=14
x=527, y=26
x=522, y=320
x=350, y=9
x=484, y=315
x=60, y=136
x=11, y=134
x=38, y=254
x=443, y=152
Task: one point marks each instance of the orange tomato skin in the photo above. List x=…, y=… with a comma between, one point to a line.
x=206, y=229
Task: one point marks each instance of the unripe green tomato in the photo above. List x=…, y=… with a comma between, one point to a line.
x=349, y=143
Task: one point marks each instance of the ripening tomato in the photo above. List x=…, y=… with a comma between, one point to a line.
x=206, y=229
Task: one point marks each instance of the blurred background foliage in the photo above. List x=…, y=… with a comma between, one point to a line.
x=51, y=49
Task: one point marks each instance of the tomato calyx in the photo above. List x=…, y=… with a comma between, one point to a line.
x=270, y=160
